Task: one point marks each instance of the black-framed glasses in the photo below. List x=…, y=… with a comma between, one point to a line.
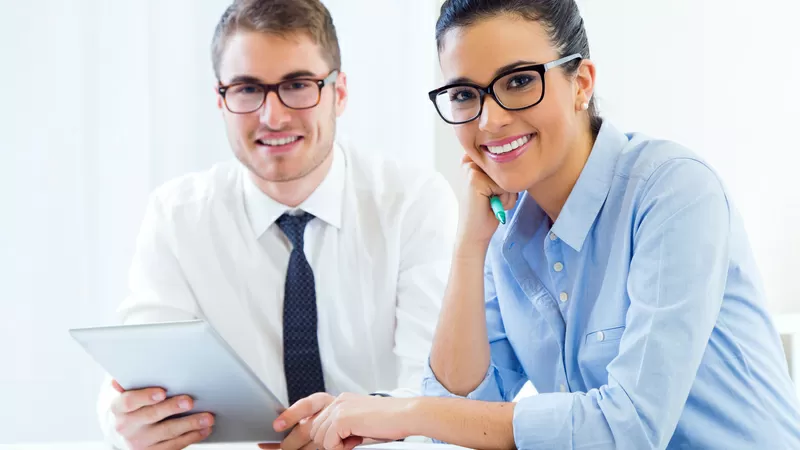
x=296, y=93
x=514, y=90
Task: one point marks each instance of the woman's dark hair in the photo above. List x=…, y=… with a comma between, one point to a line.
x=561, y=19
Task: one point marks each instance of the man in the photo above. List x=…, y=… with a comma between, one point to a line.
x=299, y=228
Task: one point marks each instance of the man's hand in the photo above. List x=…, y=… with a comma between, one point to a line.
x=300, y=416
x=140, y=414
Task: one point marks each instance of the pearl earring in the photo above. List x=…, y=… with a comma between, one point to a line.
x=584, y=106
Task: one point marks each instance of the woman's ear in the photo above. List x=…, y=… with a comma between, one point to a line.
x=584, y=81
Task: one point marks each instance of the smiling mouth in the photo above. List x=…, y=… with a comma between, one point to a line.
x=278, y=142
x=509, y=147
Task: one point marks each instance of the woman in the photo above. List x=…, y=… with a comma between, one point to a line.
x=622, y=285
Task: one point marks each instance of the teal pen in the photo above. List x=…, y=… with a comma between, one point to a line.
x=497, y=208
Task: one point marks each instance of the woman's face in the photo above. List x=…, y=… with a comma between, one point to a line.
x=546, y=131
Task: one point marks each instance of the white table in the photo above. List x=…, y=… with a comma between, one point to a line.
x=788, y=325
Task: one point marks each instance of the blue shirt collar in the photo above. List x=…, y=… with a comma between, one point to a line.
x=587, y=196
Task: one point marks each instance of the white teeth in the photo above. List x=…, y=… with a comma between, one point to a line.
x=500, y=149
x=282, y=141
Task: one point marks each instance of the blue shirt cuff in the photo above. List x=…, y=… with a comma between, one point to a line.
x=487, y=390
x=544, y=421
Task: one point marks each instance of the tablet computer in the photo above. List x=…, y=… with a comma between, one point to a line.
x=189, y=358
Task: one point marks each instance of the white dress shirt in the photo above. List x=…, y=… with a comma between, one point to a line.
x=380, y=248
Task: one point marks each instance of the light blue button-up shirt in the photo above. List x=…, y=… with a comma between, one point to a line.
x=639, y=316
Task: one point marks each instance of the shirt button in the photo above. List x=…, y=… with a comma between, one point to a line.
x=563, y=297
x=601, y=336
x=558, y=267
x=563, y=388
x=553, y=236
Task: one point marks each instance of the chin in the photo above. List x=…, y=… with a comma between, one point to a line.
x=514, y=184
x=514, y=188
x=280, y=176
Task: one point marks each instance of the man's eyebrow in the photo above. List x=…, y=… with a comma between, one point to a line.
x=245, y=79
x=288, y=76
x=497, y=72
x=298, y=74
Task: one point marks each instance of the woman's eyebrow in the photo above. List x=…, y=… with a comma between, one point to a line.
x=497, y=72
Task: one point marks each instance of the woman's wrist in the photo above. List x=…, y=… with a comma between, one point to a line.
x=469, y=249
x=412, y=418
x=423, y=416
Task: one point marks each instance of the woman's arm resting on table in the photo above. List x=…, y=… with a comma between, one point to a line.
x=469, y=423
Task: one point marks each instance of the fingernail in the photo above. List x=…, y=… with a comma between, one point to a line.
x=158, y=396
x=205, y=431
x=204, y=422
x=280, y=425
x=183, y=404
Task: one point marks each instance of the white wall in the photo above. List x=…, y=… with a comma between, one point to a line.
x=96, y=112
x=389, y=59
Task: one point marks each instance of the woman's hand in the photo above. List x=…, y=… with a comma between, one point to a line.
x=352, y=418
x=478, y=223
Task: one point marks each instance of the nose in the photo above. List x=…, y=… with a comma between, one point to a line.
x=274, y=114
x=493, y=117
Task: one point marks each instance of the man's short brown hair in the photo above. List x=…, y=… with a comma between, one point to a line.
x=279, y=17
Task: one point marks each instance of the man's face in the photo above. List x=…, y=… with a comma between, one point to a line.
x=275, y=142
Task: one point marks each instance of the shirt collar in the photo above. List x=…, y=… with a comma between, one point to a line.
x=324, y=203
x=590, y=191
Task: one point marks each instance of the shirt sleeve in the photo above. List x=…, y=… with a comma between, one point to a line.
x=505, y=377
x=676, y=284
x=427, y=240
x=158, y=292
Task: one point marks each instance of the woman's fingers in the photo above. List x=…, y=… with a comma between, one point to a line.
x=509, y=200
x=482, y=183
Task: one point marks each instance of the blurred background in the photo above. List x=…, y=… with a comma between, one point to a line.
x=103, y=100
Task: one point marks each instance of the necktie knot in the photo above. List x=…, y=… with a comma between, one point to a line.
x=294, y=227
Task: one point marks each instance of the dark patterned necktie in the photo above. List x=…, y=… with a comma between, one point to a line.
x=302, y=364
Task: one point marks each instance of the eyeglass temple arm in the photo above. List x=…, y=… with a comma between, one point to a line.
x=331, y=77
x=561, y=61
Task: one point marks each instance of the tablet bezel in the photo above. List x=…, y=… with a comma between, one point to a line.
x=96, y=341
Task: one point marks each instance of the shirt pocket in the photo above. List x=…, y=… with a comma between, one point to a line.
x=599, y=348
x=608, y=335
